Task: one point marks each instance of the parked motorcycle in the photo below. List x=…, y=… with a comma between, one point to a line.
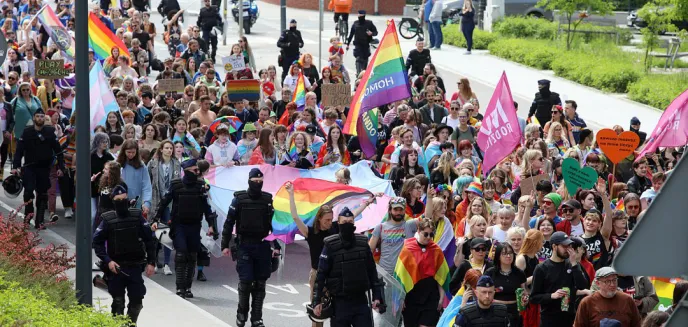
x=250, y=13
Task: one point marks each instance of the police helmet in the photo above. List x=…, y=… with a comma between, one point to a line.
x=162, y=234
x=275, y=263
x=326, y=312
x=13, y=186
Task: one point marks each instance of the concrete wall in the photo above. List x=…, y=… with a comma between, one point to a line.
x=385, y=7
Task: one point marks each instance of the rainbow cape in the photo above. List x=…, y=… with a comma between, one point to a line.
x=102, y=40
x=664, y=287
x=299, y=96
x=63, y=40
x=385, y=80
x=310, y=194
x=408, y=273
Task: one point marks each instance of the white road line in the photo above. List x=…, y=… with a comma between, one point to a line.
x=231, y=289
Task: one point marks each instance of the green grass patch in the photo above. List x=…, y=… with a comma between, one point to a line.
x=658, y=90
x=481, y=39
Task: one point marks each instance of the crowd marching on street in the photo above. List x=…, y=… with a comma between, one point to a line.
x=484, y=225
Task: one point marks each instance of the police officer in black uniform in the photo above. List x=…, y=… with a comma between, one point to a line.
x=38, y=146
x=483, y=312
x=362, y=31
x=130, y=245
x=343, y=257
x=209, y=17
x=541, y=107
x=290, y=42
x=189, y=204
x=252, y=212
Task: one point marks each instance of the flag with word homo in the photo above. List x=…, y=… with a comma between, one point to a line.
x=499, y=133
x=672, y=128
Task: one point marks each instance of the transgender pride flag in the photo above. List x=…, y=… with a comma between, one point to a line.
x=102, y=100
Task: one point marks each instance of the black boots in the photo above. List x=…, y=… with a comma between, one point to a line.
x=257, y=299
x=134, y=311
x=245, y=289
x=190, y=271
x=118, y=306
x=41, y=206
x=201, y=276
x=180, y=273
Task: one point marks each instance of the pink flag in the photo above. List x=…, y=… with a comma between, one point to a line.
x=500, y=132
x=672, y=128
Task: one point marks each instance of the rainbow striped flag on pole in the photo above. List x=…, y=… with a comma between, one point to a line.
x=102, y=100
x=299, y=96
x=63, y=40
x=102, y=40
x=385, y=80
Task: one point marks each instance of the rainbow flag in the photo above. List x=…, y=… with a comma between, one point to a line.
x=664, y=287
x=292, y=150
x=367, y=132
x=310, y=194
x=63, y=40
x=408, y=273
x=449, y=314
x=384, y=81
x=619, y=205
x=102, y=40
x=244, y=89
x=299, y=96
x=102, y=101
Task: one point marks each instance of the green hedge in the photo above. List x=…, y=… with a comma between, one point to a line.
x=531, y=53
x=481, y=39
x=658, y=90
x=542, y=29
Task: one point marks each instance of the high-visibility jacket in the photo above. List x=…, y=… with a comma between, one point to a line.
x=340, y=6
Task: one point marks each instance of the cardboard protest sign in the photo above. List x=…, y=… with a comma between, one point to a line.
x=171, y=85
x=243, y=89
x=617, y=147
x=576, y=178
x=233, y=63
x=528, y=184
x=336, y=95
x=118, y=22
x=50, y=69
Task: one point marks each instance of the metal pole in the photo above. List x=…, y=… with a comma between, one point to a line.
x=224, y=27
x=320, y=30
x=241, y=17
x=377, y=12
x=283, y=15
x=84, y=289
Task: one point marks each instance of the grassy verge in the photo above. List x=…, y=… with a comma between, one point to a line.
x=658, y=90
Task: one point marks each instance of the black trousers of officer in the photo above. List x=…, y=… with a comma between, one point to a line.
x=187, y=243
x=361, y=53
x=36, y=179
x=130, y=282
x=211, y=40
x=254, y=268
x=352, y=312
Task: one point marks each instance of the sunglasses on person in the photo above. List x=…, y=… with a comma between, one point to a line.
x=454, y=108
x=567, y=210
x=555, y=112
x=480, y=249
x=426, y=234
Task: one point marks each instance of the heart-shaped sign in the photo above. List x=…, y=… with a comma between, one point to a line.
x=575, y=177
x=617, y=147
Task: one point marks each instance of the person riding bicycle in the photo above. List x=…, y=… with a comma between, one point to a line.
x=341, y=9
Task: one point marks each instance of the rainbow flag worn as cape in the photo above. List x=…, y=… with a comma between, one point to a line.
x=310, y=194
x=63, y=40
x=102, y=40
x=664, y=287
x=408, y=272
x=384, y=81
x=299, y=96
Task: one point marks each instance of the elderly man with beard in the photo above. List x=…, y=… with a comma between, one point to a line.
x=555, y=283
x=483, y=312
x=390, y=235
x=607, y=303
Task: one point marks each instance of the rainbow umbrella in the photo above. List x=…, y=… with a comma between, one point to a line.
x=233, y=122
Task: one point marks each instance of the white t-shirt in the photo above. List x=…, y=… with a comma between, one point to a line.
x=451, y=122
x=577, y=230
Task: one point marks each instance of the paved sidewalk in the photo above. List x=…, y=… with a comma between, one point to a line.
x=161, y=307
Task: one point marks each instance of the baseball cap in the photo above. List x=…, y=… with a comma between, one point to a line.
x=560, y=238
x=397, y=202
x=478, y=241
x=572, y=203
x=346, y=212
x=310, y=129
x=604, y=272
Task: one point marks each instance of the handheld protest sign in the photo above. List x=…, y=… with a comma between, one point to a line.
x=175, y=85
x=244, y=89
x=617, y=147
x=575, y=177
x=336, y=95
x=51, y=69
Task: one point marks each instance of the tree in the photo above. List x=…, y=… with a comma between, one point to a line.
x=658, y=15
x=575, y=11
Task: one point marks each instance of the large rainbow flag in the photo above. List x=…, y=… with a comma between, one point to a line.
x=408, y=273
x=384, y=81
x=63, y=40
x=664, y=287
x=102, y=40
x=310, y=194
x=244, y=89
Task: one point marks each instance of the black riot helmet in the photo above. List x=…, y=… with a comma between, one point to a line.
x=13, y=186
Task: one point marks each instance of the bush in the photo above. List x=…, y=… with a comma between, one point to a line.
x=533, y=53
x=526, y=27
x=604, y=73
x=31, y=307
x=658, y=90
x=481, y=39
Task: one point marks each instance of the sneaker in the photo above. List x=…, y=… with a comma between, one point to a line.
x=181, y=293
x=201, y=276
x=257, y=323
x=188, y=294
x=53, y=217
x=467, y=53
x=69, y=213
x=166, y=270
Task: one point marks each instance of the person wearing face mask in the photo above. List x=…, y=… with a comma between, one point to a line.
x=362, y=32
x=342, y=260
x=129, y=245
x=189, y=200
x=289, y=42
x=635, y=128
x=252, y=212
x=543, y=102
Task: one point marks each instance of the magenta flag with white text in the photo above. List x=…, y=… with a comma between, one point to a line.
x=500, y=132
x=672, y=128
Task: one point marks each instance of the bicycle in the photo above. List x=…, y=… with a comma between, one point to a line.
x=411, y=27
x=342, y=29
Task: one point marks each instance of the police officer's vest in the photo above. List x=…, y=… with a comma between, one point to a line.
x=361, y=37
x=188, y=201
x=349, y=275
x=255, y=218
x=123, y=242
x=496, y=318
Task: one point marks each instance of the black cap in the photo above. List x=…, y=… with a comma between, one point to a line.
x=255, y=172
x=310, y=129
x=39, y=111
x=361, y=12
x=119, y=189
x=293, y=21
x=560, y=238
x=478, y=241
x=635, y=121
x=485, y=281
x=584, y=133
x=572, y=203
x=346, y=212
x=188, y=163
x=440, y=128
x=544, y=82
x=577, y=242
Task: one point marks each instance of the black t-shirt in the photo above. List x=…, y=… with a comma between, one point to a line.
x=316, y=242
x=598, y=254
x=142, y=36
x=627, y=284
x=505, y=286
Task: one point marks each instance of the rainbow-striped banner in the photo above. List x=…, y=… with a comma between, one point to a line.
x=299, y=96
x=102, y=101
x=384, y=81
x=102, y=40
x=63, y=40
x=243, y=89
x=664, y=287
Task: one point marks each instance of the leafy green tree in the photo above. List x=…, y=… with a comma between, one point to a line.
x=575, y=11
x=658, y=15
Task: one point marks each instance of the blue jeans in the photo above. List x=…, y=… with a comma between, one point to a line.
x=436, y=31
x=428, y=26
